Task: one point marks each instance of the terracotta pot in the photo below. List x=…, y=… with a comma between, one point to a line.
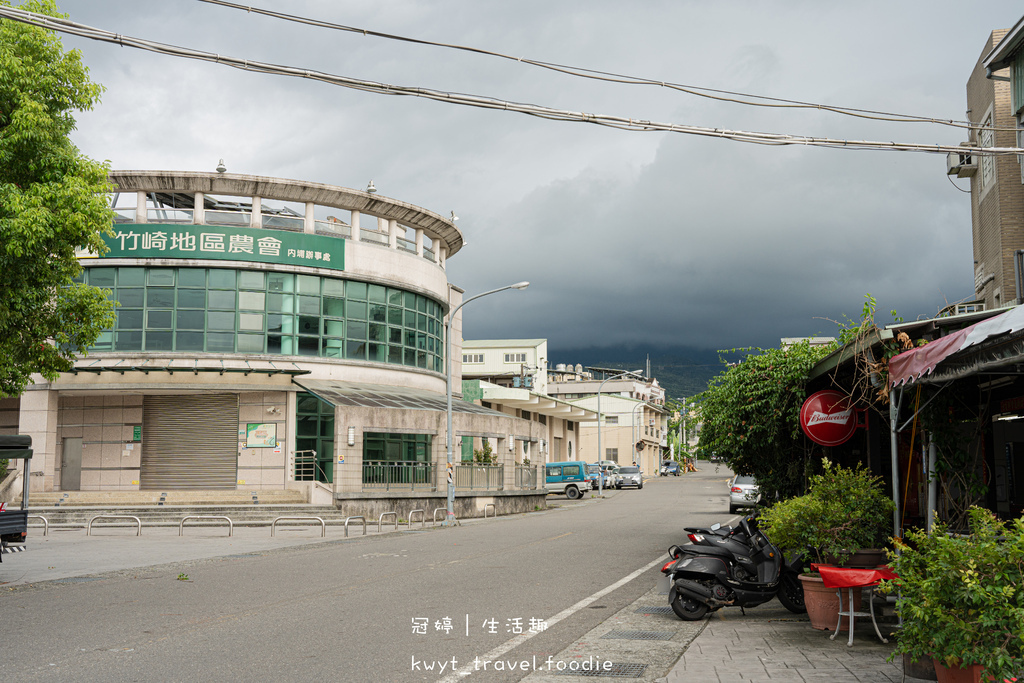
x=968, y=674
x=923, y=669
x=823, y=604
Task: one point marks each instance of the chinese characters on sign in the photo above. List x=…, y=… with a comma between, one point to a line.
x=228, y=243
x=515, y=625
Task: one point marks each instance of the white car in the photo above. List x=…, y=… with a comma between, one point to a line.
x=630, y=475
x=743, y=492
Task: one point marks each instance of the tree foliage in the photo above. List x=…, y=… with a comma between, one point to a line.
x=51, y=201
x=751, y=412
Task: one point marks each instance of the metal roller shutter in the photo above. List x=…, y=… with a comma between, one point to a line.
x=189, y=442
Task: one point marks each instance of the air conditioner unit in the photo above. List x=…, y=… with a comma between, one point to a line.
x=961, y=164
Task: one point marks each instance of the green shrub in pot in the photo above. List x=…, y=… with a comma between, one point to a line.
x=845, y=509
x=961, y=598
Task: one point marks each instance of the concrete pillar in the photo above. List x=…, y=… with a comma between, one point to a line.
x=199, y=213
x=38, y=419
x=441, y=254
x=393, y=234
x=419, y=242
x=141, y=215
x=309, y=225
x=348, y=460
x=256, y=220
x=355, y=224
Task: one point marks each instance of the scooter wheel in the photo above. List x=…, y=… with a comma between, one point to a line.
x=688, y=609
x=791, y=594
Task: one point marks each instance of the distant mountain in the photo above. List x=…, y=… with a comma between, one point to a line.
x=683, y=371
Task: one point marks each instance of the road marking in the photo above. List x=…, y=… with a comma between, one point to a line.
x=551, y=621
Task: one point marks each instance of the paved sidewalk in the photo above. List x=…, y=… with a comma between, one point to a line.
x=770, y=643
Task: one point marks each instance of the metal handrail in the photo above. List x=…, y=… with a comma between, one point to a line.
x=323, y=524
x=387, y=514
x=348, y=519
x=436, y=510
x=231, y=525
x=46, y=524
x=88, y=527
x=423, y=517
x=494, y=510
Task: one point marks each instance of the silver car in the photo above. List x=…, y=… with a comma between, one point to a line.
x=743, y=492
x=630, y=475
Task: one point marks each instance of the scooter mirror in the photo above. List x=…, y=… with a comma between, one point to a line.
x=716, y=526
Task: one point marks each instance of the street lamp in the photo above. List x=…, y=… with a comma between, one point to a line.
x=631, y=373
x=636, y=423
x=450, y=518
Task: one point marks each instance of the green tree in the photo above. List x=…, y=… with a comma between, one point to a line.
x=51, y=201
x=750, y=415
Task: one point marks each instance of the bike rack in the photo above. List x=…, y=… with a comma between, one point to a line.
x=46, y=524
x=231, y=526
x=349, y=519
x=323, y=524
x=494, y=510
x=436, y=510
x=88, y=527
x=423, y=517
x=387, y=514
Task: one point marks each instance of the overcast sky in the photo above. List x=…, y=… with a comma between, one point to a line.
x=625, y=237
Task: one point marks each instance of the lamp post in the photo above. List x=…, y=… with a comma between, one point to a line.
x=450, y=518
x=632, y=373
x=636, y=424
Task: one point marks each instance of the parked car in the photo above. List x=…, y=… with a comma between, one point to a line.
x=593, y=474
x=743, y=492
x=569, y=478
x=670, y=467
x=630, y=475
x=610, y=472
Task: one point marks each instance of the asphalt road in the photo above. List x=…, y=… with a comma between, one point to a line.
x=380, y=608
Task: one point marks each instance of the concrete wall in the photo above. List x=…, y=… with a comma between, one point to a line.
x=371, y=505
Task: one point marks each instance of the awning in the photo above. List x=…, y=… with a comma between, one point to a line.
x=917, y=364
x=359, y=395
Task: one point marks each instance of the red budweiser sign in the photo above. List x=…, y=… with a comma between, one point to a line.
x=827, y=418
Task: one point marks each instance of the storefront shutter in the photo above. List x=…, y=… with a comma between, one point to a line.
x=189, y=442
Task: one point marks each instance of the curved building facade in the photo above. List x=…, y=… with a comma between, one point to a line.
x=270, y=334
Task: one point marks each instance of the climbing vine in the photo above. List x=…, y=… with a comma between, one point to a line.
x=750, y=415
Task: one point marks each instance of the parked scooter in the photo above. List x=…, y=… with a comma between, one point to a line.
x=741, y=568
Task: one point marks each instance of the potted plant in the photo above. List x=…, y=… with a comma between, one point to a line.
x=846, y=510
x=961, y=598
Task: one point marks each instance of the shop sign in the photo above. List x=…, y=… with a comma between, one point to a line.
x=154, y=240
x=827, y=418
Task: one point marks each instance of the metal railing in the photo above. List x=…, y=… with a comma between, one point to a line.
x=46, y=524
x=494, y=510
x=391, y=474
x=231, y=525
x=169, y=215
x=423, y=517
x=88, y=527
x=349, y=519
x=374, y=237
x=526, y=476
x=323, y=524
x=405, y=245
x=480, y=477
x=333, y=228
x=436, y=510
x=380, y=520
x=308, y=468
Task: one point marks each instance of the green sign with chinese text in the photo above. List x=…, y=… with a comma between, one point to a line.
x=157, y=240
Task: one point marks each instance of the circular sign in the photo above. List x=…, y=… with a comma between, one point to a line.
x=827, y=418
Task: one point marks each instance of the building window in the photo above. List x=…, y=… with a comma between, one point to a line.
x=611, y=454
x=986, y=138
x=611, y=419
x=223, y=310
x=379, y=447
x=515, y=357
x=526, y=414
x=472, y=358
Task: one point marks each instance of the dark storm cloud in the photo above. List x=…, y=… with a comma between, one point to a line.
x=625, y=237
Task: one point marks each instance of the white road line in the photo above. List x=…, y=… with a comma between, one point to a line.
x=551, y=621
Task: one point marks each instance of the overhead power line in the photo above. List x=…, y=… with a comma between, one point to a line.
x=483, y=102
x=698, y=91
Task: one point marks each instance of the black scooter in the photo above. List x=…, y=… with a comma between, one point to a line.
x=742, y=568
